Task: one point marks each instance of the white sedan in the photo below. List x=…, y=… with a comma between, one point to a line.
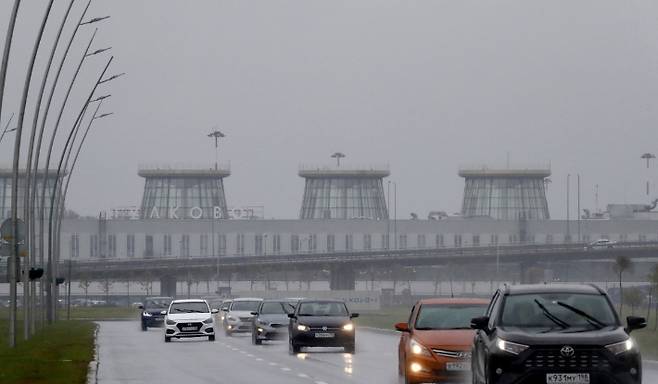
x=189, y=318
x=600, y=244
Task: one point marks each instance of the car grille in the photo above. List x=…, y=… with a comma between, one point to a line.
x=453, y=354
x=325, y=329
x=583, y=359
x=197, y=326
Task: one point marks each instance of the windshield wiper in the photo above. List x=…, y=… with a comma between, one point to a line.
x=551, y=316
x=590, y=319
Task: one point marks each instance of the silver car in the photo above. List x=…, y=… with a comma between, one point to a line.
x=239, y=317
x=271, y=321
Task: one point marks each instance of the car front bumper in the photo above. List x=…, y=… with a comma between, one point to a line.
x=181, y=330
x=267, y=332
x=443, y=370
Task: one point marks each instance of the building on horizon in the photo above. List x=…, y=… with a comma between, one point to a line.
x=505, y=194
x=183, y=193
x=344, y=193
x=6, y=190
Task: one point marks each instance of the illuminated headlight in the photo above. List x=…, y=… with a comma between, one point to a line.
x=415, y=367
x=208, y=321
x=510, y=347
x=221, y=317
x=303, y=328
x=260, y=330
x=171, y=322
x=621, y=347
x=419, y=349
x=146, y=314
x=348, y=327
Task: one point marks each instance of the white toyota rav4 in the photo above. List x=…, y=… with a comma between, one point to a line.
x=189, y=318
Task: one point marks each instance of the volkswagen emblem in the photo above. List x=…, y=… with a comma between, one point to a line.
x=567, y=351
x=324, y=328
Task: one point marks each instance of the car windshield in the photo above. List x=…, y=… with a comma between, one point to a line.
x=189, y=307
x=251, y=305
x=322, y=309
x=275, y=308
x=557, y=310
x=157, y=303
x=452, y=316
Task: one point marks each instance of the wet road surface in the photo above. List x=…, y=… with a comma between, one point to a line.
x=128, y=355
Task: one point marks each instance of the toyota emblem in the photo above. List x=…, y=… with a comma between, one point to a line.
x=567, y=351
x=324, y=328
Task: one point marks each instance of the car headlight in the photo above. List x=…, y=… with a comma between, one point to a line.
x=146, y=314
x=508, y=346
x=348, y=327
x=418, y=348
x=303, y=328
x=208, y=321
x=171, y=322
x=621, y=347
x=262, y=322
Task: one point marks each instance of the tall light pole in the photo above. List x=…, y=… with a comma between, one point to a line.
x=216, y=134
x=14, y=196
x=648, y=157
x=338, y=156
x=52, y=265
x=30, y=180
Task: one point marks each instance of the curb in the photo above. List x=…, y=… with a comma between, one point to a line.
x=92, y=371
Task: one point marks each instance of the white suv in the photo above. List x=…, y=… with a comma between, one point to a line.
x=239, y=317
x=189, y=318
x=600, y=244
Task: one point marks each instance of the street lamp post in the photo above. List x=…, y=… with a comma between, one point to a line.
x=14, y=196
x=7, y=49
x=52, y=265
x=648, y=157
x=338, y=156
x=216, y=134
x=30, y=182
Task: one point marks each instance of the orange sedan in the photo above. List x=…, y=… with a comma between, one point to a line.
x=435, y=345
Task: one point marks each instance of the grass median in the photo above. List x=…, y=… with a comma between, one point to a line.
x=57, y=354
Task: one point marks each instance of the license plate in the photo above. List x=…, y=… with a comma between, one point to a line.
x=462, y=366
x=567, y=378
x=324, y=335
x=189, y=328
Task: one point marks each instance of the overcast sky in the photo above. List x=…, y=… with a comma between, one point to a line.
x=425, y=86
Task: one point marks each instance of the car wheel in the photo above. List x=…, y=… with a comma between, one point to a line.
x=167, y=339
x=211, y=338
x=144, y=327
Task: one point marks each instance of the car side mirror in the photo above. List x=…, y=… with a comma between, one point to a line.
x=140, y=306
x=163, y=312
x=253, y=313
x=292, y=316
x=354, y=315
x=481, y=323
x=214, y=310
x=402, y=327
x=634, y=322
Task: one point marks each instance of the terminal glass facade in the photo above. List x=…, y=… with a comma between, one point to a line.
x=344, y=198
x=183, y=198
x=505, y=198
x=6, y=192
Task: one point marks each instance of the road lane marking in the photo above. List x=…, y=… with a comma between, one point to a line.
x=273, y=364
x=285, y=369
x=303, y=375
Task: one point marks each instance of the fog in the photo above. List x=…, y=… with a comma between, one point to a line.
x=425, y=86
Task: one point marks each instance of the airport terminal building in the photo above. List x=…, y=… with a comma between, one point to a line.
x=184, y=214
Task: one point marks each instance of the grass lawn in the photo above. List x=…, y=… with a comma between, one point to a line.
x=101, y=313
x=59, y=353
x=385, y=318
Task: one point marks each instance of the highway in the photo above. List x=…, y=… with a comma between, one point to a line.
x=128, y=355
